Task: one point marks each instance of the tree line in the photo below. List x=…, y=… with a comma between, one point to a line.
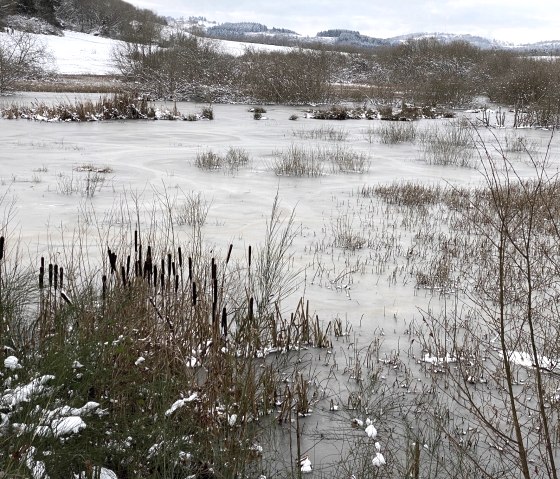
x=422, y=71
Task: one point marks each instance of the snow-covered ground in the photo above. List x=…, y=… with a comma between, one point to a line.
x=79, y=53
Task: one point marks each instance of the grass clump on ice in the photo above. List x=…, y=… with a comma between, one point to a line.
x=234, y=159
x=315, y=161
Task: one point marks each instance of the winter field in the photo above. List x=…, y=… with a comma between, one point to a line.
x=369, y=251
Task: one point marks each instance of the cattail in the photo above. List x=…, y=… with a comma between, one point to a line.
x=155, y=276
x=190, y=268
x=65, y=297
x=214, y=269
x=194, y=293
x=215, y=288
x=112, y=260
x=249, y=256
x=148, y=273
x=1, y=247
x=180, y=257
x=224, y=322
x=162, y=279
x=104, y=287
x=136, y=241
x=61, y=270
x=176, y=282
x=127, y=266
x=55, y=273
x=50, y=274
x=42, y=273
x=173, y=269
x=168, y=265
x=251, y=309
x=229, y=253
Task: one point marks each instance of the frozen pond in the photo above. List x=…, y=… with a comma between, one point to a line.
x=148, y=158
x=138, y=169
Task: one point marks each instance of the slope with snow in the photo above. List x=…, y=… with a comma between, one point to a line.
x=81, y=54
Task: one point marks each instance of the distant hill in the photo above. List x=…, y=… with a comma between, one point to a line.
x=341, y=37
x=477, y=41
x=244, y=28
x=121, y=20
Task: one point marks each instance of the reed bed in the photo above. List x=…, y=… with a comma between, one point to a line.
x=167, y=361
x=119, y=106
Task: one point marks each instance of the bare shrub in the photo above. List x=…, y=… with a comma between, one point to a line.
x=296, y=76
x=208, y=160
x=207, y=113
x=86, y=186
x=66, y=184
x=517, y=143
x=193, y=210
x=22, y=56
x=236, y=158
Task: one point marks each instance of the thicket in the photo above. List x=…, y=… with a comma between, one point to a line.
x=194, y=69
x=187, y=68
x=424, y=72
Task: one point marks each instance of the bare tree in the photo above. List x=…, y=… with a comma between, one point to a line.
x=499, y=350
x=22, y=55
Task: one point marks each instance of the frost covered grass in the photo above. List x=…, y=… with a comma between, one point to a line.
x=396, y=132
x=234, y=159
x=452, y=145
x=298, y=161
x=315, y=161
x=327, y=133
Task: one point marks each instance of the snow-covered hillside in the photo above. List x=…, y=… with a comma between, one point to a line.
x=77, y=53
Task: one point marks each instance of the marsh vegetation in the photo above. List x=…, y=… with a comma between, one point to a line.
x=183, y=322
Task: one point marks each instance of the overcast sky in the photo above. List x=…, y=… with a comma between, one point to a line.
x=517, y=21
